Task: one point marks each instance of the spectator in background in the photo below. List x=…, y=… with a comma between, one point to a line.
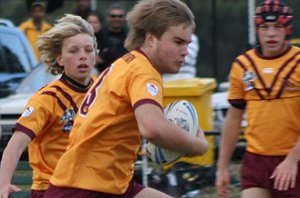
x=83, y=8
x=52, y=5
x=35, y=25
x=188, y=69
x=114, y=34
x=97, y=22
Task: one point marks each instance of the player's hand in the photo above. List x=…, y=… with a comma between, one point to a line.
x=223, y=183
x=203, y=144
x=6, y=190
x=285, y=175
x=200, y=133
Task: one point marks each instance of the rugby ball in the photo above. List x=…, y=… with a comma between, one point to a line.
x=183, y=114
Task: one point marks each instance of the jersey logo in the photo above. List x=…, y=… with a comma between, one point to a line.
x=268, y=70
x=67, y=119
x=27, y=112
x=128, y=57
x=249, y=87
x=152, y=89
x=248, y=76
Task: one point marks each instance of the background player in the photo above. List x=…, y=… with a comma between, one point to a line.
x=265, y=82
x=68, y=48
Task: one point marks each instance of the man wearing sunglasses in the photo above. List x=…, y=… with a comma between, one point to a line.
x=114, y=34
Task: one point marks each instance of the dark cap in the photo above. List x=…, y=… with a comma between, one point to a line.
x=37, y=3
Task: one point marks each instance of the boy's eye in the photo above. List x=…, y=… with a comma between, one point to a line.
x=279, y=26
x=89, y=50
x=263, y=26
x=72, y=50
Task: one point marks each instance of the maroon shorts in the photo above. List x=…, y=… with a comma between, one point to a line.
x=58, y=192
x=37, y=193
x=256, y=171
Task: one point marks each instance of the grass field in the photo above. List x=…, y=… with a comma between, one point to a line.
x=206, y=192
x=211, y=192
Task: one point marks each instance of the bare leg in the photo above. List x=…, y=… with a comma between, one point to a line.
x=256, y=192
x=151, y=193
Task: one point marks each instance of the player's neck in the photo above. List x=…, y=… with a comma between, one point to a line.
x=270, y=53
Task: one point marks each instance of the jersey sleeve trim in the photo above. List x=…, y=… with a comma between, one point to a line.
x=238, y=103
x=27, y=131
x=146, y=101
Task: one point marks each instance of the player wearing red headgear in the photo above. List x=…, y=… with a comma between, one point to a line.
x=265, y=83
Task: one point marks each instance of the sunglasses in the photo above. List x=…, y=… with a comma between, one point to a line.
x=116, y=16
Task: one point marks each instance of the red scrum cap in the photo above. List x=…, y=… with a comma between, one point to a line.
x=274, y=11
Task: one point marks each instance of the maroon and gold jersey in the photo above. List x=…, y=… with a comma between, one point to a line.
x=270, y=88
x=48, y=119
x=105, y=137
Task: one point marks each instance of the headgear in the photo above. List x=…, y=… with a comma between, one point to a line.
x=274, y=11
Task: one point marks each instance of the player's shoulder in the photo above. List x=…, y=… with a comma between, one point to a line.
x=52, y=89
x=135, y=58
x=137, y=62
x=295, y=50
x=245, y=55
x=44, y=95
x=242, y=59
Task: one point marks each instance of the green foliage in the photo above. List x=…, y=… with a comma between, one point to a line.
x=222, y=30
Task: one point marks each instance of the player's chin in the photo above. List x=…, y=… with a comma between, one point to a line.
x=175, y=69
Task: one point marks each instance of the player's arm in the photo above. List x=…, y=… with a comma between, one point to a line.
x=11, y=155
x=285, y=174
x=229, y=138
x=163, y=133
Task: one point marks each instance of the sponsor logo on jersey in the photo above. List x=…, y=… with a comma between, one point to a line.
x=268, y=70
x=27, y=112
x=152, y=89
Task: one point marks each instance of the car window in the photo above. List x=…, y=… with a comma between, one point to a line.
x=12, y=54
x=9, y=61
x=36, y=79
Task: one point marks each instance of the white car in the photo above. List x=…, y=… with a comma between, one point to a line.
x=17, y=58
x=220, y=106
x=12, y=106
x=6, y=23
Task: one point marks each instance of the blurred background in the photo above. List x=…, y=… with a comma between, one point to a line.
x=223, y=30
x=222, y=26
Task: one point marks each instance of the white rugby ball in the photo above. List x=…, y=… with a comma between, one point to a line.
x=183, y=114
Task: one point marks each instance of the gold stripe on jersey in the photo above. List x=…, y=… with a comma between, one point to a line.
x=271, y=89
x=105, y=139
x=48, y=119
